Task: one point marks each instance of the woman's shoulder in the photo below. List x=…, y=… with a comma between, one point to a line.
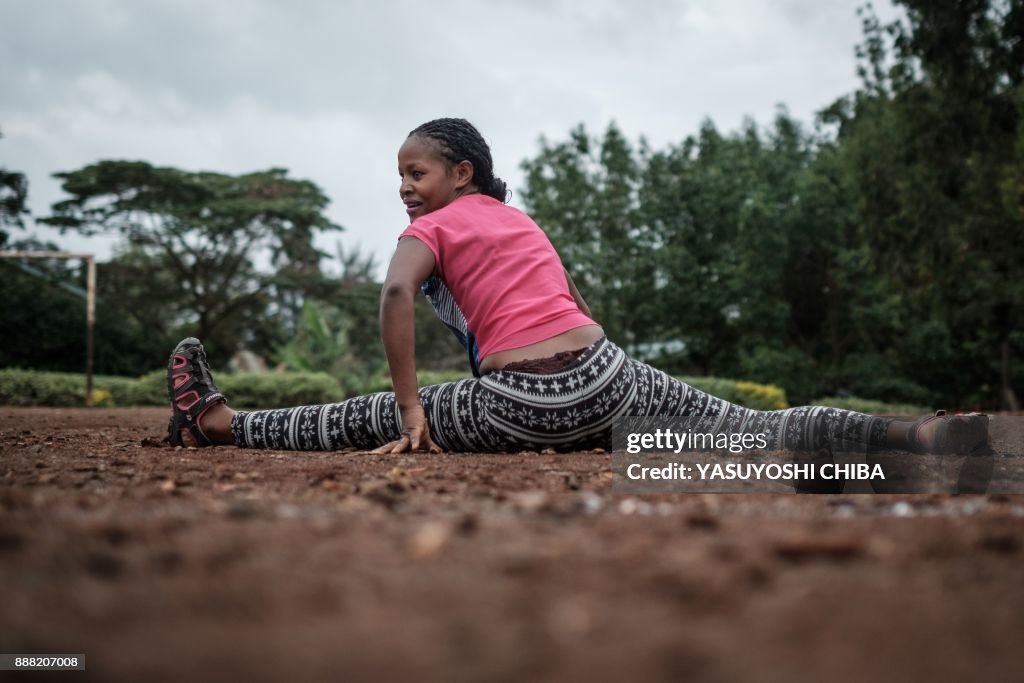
x=496, y=208
x=479, y=202
x=472, y=216
x=472, y=209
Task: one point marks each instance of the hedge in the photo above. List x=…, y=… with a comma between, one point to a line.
x=245, y=390
x=863, y=405
x=31, y=388
x=382, y=382
x=747, y=394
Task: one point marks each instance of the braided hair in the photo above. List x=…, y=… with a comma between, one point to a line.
x=459, y=140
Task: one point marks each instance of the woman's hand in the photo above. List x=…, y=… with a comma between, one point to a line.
x=415, y=434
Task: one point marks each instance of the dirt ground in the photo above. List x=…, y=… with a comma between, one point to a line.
x=167, y=564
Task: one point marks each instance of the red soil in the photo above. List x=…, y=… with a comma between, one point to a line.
x=171, y=564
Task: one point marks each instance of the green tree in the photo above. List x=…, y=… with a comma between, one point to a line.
x=338, y=331
x=925, y=143
x=582, y=192
x=202, y=234
x=724, y=210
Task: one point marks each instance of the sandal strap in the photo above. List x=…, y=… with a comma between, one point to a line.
x=193, y=423
x=201, y=405
x=181, y=389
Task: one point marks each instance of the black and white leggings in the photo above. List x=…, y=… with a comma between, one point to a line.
x=572, y=409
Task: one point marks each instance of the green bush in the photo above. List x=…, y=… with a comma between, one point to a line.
x=148, y=390
x=244, y=390
x=276, y=390
x=790, y=368
x=279, y=389
x=863, y=405
x=27, y=388
x=122, y=391
x=748, y=394
x=30, y=388
x=382, y=381
x=875, y=374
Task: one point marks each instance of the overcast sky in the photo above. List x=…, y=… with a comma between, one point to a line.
x=329, y=88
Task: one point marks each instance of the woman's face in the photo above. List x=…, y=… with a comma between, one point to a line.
x=428, y=183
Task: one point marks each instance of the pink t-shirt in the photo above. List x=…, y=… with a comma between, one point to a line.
x=502, y=270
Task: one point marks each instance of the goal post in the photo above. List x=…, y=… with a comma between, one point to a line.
x=90, y=301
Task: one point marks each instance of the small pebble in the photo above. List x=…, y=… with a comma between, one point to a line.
x=902, y=509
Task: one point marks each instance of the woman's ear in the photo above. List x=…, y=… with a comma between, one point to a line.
x=463, y=173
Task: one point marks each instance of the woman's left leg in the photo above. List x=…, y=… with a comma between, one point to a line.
x=200, y=417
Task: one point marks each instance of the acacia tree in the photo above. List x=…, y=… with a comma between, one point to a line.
x=199, y=236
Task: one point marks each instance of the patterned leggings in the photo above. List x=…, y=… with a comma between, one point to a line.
x=572, y=409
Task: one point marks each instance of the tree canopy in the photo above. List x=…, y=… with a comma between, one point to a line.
x=192, y=241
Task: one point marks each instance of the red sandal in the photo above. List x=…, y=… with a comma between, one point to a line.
x=958, y=434
x=191, y=390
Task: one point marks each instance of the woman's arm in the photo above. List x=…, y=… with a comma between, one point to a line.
x=411, y=264
x=576, y=294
